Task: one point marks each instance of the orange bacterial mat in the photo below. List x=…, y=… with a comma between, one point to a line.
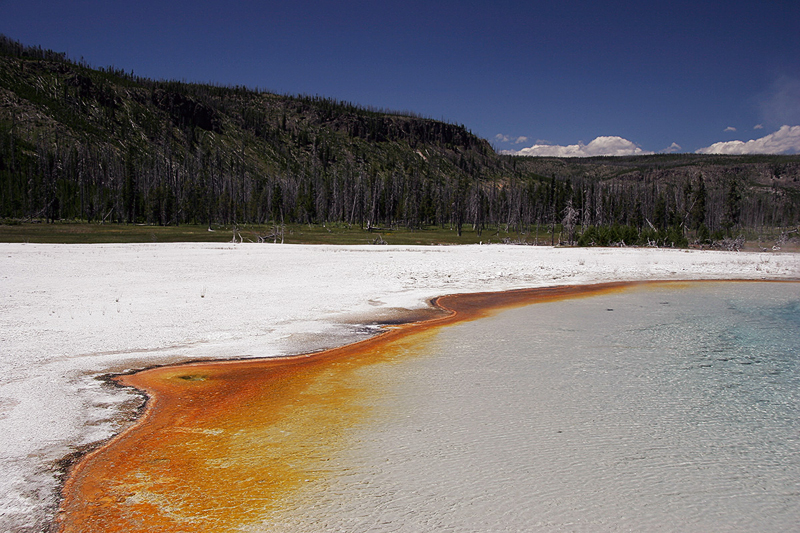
x=220, y=444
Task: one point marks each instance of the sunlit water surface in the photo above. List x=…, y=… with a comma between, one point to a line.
x=666, y=407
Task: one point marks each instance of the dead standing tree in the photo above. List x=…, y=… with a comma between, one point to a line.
x=568, y=223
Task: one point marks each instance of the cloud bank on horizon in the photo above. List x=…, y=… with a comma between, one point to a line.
x=601, y=146
x=784, y=141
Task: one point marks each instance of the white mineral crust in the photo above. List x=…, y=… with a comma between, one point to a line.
x=70, y=314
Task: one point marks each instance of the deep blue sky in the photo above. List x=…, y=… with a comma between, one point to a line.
x=654, y=73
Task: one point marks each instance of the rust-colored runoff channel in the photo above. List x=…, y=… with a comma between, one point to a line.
x=220, y=443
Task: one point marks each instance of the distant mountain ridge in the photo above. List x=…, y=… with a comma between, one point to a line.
x=101, y=144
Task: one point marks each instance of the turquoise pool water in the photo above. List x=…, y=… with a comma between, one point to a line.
x=672, y=407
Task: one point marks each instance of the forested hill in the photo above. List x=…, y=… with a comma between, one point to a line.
x=104, y=145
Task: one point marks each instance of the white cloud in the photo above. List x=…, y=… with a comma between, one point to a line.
x=784, y=141
x=758, y=127
x=730, y=128
x=601, y=146
x=500, y=137
x=672, y=148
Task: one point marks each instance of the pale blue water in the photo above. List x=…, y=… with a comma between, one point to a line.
x=661, y=408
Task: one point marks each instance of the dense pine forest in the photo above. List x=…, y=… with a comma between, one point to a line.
x=103, y=145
